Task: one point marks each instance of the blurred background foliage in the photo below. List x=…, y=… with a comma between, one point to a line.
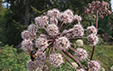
x=16, y=17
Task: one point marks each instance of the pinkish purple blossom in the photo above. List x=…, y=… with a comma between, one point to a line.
x=78, y=30
x=55, y=59
x=27, y=45
x=94, y=66
x=25, y=34
x=92, y=39
x=32, y=28
x=81, y=53
x=62, y=43
x=91, y=30
x=52, y=29
x=41, y=43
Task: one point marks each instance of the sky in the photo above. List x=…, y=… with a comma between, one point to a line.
x=111, y=4
x=5, y=4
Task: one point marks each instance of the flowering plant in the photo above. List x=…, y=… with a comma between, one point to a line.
x=46, y=44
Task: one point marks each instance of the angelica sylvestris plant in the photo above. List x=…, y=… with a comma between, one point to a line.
x=43, y=49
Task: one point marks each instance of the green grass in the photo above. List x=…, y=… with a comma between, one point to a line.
x=103, y=54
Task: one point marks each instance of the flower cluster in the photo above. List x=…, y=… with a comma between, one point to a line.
x=56, y=59
x=97, y=6
x=27, y=45
x=92, y=39
x=79, y=42
x=91, y=30
x=40, y=56
x=52, y=29
x=41, y=43
x=34, y=65
x=41, y=21
x=94, y=66
x=54, y=39
x=62, y=43
x=81, y=53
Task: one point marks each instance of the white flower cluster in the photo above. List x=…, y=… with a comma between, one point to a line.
x=94, y=66
x=32, y=28
x=53, y=13
x=40, y=56
x=81, y=53
x=52, y=29
x=91, y=30
x=80, y=43
x=78, y=30
x=78, y=18
x=34, y=65
x=92, y=39
x=25, y=34
x=41, y=21
x=41, y=43
x=55, y=59
x=62, y=43
x=30, y=33
x=53, y=20
x=27, y=45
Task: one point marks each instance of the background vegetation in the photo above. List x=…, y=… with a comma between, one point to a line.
x=21, y=13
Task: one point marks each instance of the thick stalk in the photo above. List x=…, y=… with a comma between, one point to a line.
x=67, y=59
x=97, y=20
x=73, y=58
x=92, y=53
x=72, y=49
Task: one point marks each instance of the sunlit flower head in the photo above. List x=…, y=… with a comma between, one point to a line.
x=32, y=28
x=62, y=43
x=92, y=39
x=53, y=20
x=41, y=43
x=27, y=45
x=55, y=59
x=52, y=29
x=40, y=56
x=78, y=30
x=34, y=65
x=94, y=66
x=25, y=34
x=81, y=53
x=91, y=30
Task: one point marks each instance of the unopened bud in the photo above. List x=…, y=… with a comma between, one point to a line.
x=94, y=16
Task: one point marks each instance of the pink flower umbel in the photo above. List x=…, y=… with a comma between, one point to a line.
x=41, y=43
x=92, y=39
x=81, y=53
x=94, y=66
x=34, y=65
x=32, y=28
x=52, y=29
x=78, y=30
x=55, y=59
x=27, y=45
x=91, y=30
x=62, y=43
x=25, y=34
